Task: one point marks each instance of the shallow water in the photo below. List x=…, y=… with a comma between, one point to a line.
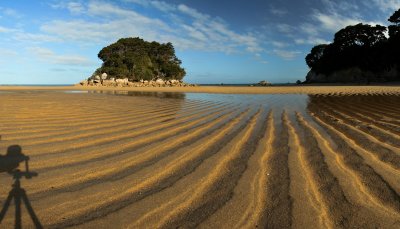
x=272, y=101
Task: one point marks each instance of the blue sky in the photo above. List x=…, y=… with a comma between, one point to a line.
x=56, y=42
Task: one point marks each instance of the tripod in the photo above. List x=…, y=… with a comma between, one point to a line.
x=17, y=193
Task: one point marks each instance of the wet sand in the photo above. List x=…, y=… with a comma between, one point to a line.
x=168, y=160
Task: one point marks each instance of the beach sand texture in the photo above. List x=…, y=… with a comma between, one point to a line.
x=154, y=160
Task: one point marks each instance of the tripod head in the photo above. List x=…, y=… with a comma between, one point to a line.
x=11, y=161
x=18, y=174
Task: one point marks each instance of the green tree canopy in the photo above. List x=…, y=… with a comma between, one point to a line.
x=136, y=59
x=395, y=18
x=316, y=54
x=363, y=46
x=359, y=35
x=394, y=30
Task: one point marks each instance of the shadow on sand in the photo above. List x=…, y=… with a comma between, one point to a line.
x=10, y=163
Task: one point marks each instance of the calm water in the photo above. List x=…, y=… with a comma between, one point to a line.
x=275, y=101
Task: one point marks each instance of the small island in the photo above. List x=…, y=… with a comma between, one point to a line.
x=359, y=54
x=133, y=62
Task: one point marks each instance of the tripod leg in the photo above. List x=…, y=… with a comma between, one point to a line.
x=17, y=200
x=6, y=205
x=30, y=210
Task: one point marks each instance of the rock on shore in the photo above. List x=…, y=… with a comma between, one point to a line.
x=264, y=83
x=102, y=80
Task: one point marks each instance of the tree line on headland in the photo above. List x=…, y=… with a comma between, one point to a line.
x=359, y=53
x=136, y=59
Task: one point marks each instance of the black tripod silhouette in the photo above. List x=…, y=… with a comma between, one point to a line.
x=17, y=193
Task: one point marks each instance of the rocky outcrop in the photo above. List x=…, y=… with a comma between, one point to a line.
x=353, y=75
x=264, y=83
x=102, y=81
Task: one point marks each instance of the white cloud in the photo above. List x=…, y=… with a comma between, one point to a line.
x=192, y=12
x=311, y=41
x=285, y=54
x=279, y=44
x=163, y=6
x=387, y=5
x=7, y=52
x=73, y=7
x=50, y=56
x=343, y=6
x=160, y=5
x=34, y=38
x=334, y=22
x=101, y=32
x=277, y=12
x=309, y=29
x=285, y=28
x=10, y=12
x=200, y=32
x=6, y=30
x=196, y=34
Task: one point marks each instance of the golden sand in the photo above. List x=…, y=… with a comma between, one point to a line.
x=329, y=159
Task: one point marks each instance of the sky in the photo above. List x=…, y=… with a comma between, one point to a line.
x=218, y=41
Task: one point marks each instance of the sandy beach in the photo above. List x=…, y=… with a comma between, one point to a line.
x=245, y=157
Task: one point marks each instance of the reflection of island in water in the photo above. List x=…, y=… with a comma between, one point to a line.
x=167, y=95
x=10, y=163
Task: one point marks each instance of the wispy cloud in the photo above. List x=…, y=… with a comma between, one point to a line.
x=50, y=56
x=285, y=28
x=277, y=12
x=192, y=12
x=333, y=22
x=7, y=12
x=160, y=5
x=387, y=5
x=279, y=44
x=309, y=29
x=7, y=52
x=187, y=28
x=337, y=15
x=311, y=41
x=34, y=37
x=327, y=20
x=6, y=30
x=286, y=54
x=73, y=7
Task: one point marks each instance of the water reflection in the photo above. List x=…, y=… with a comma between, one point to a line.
x=276, y=101
x=167, y=95
x=354, y=102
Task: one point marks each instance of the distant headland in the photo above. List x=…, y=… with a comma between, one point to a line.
x=359, y=54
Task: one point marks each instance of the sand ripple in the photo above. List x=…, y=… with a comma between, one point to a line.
x=105, y=161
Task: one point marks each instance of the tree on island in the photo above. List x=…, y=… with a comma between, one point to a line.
x=136, y=59
x=362, y=48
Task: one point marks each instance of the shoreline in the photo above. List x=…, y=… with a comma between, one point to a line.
x=294, y=89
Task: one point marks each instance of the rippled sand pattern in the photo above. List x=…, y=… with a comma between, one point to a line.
x=158, y=160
